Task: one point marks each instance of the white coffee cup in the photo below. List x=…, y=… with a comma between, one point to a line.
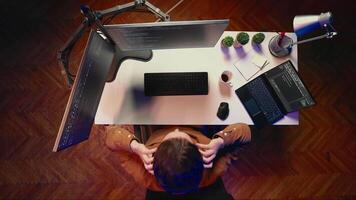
x=225, y=78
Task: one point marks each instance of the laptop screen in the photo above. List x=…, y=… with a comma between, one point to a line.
x=289, y=88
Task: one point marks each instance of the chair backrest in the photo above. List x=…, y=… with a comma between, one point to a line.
x=214, y=191
x=142, y=132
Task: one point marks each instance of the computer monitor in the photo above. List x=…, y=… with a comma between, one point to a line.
x=167, y=35
x=86, y=92
x=101, y=61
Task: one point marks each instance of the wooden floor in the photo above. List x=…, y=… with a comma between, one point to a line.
x=316, y=159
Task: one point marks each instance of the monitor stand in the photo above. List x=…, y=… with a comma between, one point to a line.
x=121, y=56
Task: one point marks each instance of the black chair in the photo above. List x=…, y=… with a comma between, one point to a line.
x=142, y=132
x=215, y=191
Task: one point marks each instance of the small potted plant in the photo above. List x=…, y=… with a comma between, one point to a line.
x=258, y=38
x=242, y=38
x=227, y=42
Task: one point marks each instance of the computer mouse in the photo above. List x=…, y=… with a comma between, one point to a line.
x=223, y=111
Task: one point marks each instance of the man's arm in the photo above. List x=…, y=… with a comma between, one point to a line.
x=235, y=133
x=240, y=133
x=118, y=138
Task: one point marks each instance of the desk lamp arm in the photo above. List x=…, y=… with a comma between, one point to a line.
x=330, y=33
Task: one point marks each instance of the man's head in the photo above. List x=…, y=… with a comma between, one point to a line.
x=178, y=165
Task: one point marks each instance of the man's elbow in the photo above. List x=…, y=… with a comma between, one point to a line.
x=245, y=134
x=248, y=133
x=110, y=142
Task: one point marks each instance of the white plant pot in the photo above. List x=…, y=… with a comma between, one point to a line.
x=237, y=44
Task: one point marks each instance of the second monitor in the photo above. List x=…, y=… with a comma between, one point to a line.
x=167, y=35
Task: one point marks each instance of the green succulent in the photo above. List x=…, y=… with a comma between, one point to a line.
x=258, y=38
x=242, y=38
x=228, y=41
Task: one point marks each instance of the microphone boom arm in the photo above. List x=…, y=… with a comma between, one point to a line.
x=94, y=17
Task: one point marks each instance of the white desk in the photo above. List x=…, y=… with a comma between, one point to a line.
x=123, y=100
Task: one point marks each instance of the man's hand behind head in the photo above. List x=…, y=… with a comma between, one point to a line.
x=145, y=154
x=209, y=151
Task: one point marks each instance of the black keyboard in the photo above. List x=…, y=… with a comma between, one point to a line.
x=177, y=83
x=264, y=99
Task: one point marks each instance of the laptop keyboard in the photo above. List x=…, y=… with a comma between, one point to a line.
x=264, y=100
x=177, y=83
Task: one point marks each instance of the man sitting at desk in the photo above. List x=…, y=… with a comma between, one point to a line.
x=178, y=160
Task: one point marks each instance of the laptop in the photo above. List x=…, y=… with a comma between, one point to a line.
x=273, y=94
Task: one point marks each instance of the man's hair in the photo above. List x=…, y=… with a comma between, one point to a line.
x=178, y=166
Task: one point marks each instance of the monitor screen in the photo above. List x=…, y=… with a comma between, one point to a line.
x=86, y=92
x=289, y=87
x=167, y=35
